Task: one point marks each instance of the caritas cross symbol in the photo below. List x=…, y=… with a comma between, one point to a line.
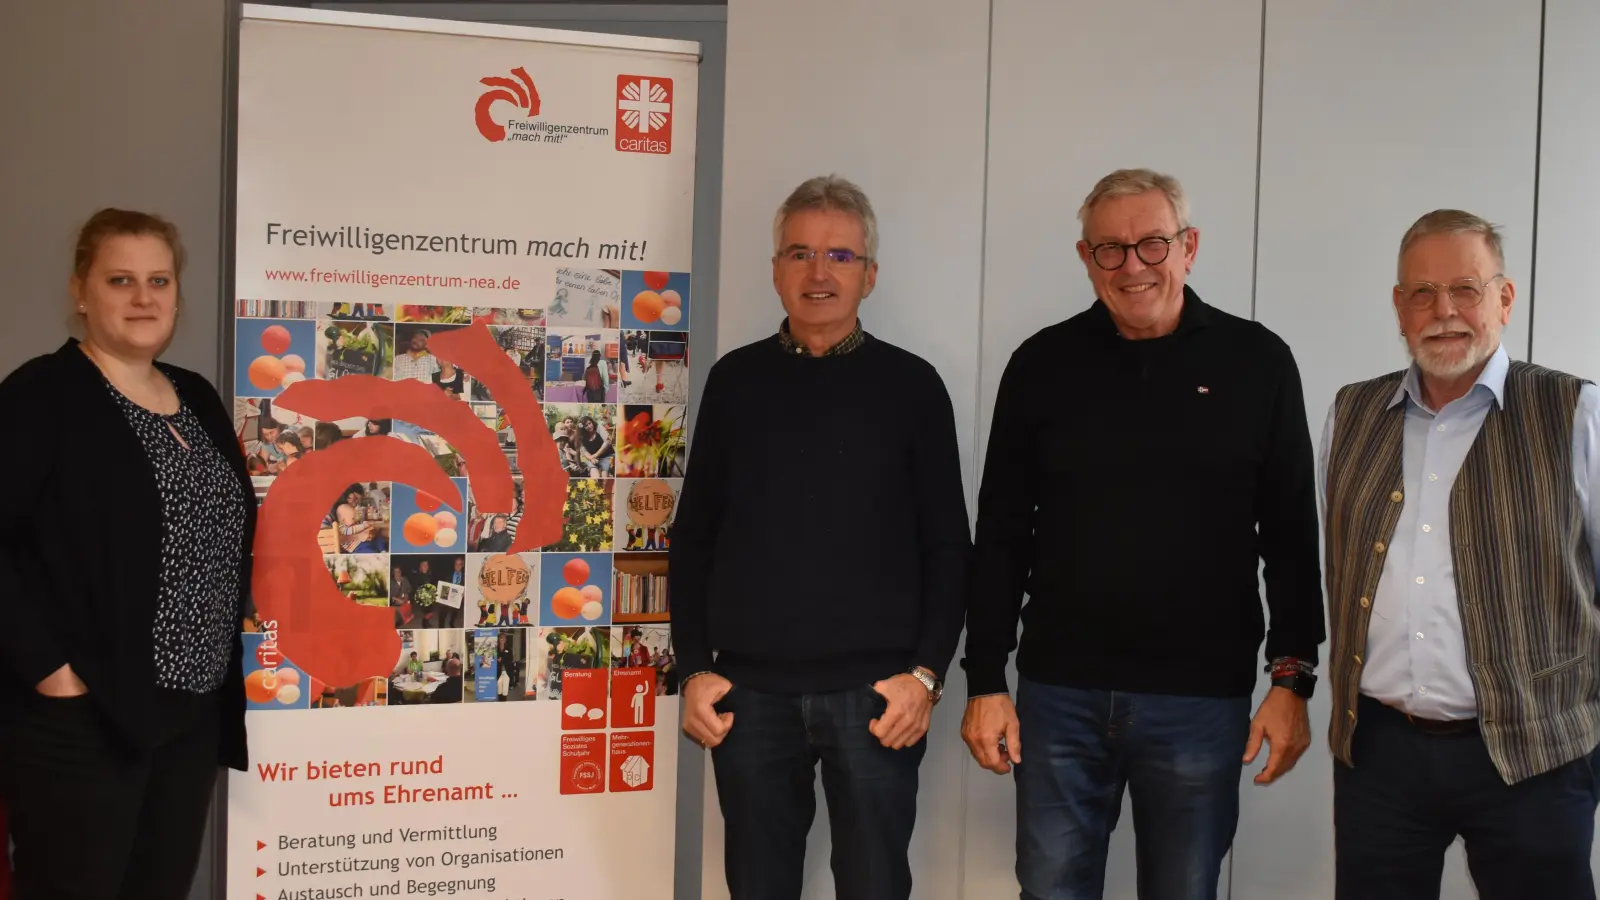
x=644, y=106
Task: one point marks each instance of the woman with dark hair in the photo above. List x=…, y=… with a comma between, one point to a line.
x=292, y=448
x=123, y=644
x=598, y=451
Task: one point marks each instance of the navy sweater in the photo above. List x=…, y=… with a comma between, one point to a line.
x=821, y=541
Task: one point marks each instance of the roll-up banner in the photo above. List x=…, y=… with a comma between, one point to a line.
x=461, y=319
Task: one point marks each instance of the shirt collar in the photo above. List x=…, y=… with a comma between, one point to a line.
x=1493, y=377
x=850, y=343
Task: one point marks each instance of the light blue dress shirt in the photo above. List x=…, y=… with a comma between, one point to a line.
x=1416, y=654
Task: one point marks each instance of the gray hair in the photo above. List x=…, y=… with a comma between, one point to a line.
x=1453, y=221
x=830, y=193
x=1132, y=182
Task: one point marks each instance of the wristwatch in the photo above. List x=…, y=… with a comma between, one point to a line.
x=935, y=686
x=1302, y=683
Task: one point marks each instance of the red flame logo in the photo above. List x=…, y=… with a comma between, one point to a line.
x=521, y=92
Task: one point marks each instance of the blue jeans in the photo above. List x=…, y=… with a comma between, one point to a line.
x=766, y=772
x=1411, y=793
x=1179, y=757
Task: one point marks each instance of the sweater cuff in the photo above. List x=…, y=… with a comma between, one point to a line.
x=926, y=661
x=1304, y=651
x=688, y=668
x=984, y=679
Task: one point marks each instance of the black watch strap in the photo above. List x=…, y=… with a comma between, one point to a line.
x=1304, y=684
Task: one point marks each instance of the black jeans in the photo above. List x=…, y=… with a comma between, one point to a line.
x=1410, y=794
x=766, y=772
x=90, y=823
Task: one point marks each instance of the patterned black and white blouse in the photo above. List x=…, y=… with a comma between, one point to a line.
x=203, y=509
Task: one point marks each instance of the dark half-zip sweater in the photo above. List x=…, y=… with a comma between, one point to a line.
x=1132, y=489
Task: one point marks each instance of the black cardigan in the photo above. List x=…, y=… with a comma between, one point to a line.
x=80, y=544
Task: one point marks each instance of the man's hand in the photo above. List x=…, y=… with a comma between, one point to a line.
x=62, y=683
x=992, y=732
x=700, y=719
x=1282, y=721
x=906, y=720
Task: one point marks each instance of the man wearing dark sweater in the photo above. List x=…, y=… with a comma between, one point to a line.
x=1134, y=511
x=818, y=568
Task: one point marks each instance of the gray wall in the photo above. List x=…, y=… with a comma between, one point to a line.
x=110, y=103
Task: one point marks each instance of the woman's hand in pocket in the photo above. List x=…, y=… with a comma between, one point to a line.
x=63, y=682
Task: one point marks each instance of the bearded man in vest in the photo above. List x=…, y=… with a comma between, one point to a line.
x=1462, y=506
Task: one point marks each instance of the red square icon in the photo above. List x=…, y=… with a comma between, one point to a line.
x=633, y=698
x=633, y=761
x=644, y=114
x=583, y=763
x=583, y=699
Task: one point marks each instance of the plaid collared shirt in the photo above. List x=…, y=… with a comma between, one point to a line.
x=851, y=342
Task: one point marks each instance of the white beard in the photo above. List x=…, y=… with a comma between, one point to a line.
x=1454, y=362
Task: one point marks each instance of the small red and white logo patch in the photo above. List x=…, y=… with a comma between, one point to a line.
x=1202, y=389
x=644, y=114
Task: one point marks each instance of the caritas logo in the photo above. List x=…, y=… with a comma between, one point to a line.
x=644, y=114
x=520, y=92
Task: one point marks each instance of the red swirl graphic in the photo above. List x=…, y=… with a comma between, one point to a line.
x=331, y=638
x=521, y=92
x=420, y=404
x=544, y=482
x=328, y=636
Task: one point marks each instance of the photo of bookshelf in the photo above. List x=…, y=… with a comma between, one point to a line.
x=275, y=309
x=640, y=593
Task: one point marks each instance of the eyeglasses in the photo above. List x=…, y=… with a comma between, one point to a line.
x=837, y=258
x=1153, y=251
x=1465, y=293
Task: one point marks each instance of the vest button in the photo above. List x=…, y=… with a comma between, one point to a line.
x=1351, y=713
x=1366, y=602
x=1358, y=659
x=1397, y=496
x=1377, y=547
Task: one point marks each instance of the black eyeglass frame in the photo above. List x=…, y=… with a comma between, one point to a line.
x=1138, y=248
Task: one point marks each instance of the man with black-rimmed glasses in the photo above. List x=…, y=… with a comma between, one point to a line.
x=1135, y=514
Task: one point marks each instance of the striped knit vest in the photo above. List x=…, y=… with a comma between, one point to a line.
x=1524, y=574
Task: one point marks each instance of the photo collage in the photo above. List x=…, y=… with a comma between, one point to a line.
x=584, y=620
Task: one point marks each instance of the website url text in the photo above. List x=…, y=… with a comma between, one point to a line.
x=390, y=279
